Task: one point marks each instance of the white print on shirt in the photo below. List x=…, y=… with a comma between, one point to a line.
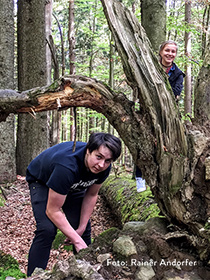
x=83, y=184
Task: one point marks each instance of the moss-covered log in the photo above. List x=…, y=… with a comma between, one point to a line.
x=126, y=203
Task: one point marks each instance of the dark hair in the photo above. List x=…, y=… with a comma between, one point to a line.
x=105, y=139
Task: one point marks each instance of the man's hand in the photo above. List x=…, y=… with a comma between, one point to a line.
x=53, y=211
x=80, y=245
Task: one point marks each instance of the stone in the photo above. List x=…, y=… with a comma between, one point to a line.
x=207, y=166
x=145, y=273
x=124, y=246
x=133, y=226
x=103, y=257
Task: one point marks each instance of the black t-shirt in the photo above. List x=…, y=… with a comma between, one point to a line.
x=62, y=170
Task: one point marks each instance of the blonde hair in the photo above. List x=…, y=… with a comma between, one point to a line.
x=162, y=46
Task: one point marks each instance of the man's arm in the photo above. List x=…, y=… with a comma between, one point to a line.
x=88, y=205
x=53, y=211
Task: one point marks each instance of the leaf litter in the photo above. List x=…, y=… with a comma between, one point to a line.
x=17, y=224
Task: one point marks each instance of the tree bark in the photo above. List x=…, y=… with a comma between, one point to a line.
x=202, y=92
x=153, y=19
x=32, y=134
x=71, y=35
x=7, y=129
x=172, y=157
x=188, y=82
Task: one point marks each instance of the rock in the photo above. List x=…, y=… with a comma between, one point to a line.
x=173, y=275
x=207, y=165
x=133, y=226
x=124, y=246
x=103, y=257
x=86, y=271
x=145, y=273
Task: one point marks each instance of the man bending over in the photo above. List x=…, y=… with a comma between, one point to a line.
x=64, y=186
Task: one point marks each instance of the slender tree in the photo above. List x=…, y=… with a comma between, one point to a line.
x=48, y=27
x=202, y=86
x=71, y=37
x=72, y=67
x=206, y=27
x=55, y=128
x=188, y=81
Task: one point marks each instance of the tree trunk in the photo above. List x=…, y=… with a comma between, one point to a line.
x=153, y=19
x=7, y=129
x=173, y=158
x=55, y=127
x=32, y=134
x=188, y=82
x=177, y=163
x=202, y=91
x=71, y=38
x=48, y=28
x=72, y=59
x=111, y=62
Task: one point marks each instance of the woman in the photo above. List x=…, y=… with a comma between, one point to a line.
x=167, y=53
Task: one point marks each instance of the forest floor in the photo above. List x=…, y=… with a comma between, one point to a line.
x=17, y=224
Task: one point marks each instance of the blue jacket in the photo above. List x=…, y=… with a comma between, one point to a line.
x=176, y=77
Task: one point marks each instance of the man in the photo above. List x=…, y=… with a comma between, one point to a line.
x=64, y=185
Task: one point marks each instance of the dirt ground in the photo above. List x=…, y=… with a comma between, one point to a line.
x=17, y=224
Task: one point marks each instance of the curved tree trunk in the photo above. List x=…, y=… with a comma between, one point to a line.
x=171, y=157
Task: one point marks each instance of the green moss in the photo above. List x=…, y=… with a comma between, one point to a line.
x=129, y=204
x=175, y=188
x=107, y=234
x=2, y=201
x=9, y=267
x=59, y=240
x=106, y=237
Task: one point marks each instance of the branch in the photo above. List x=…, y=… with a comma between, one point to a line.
x=68, y=91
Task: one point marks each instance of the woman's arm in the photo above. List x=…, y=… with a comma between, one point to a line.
x=53, y=211
x=178, y=86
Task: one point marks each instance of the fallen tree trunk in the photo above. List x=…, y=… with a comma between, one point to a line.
x=126, y=203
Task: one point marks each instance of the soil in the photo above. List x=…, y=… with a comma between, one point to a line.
x=17, y=224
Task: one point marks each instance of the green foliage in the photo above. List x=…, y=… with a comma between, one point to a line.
x=207, y=225
x=176, y=28
x=9, y=267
